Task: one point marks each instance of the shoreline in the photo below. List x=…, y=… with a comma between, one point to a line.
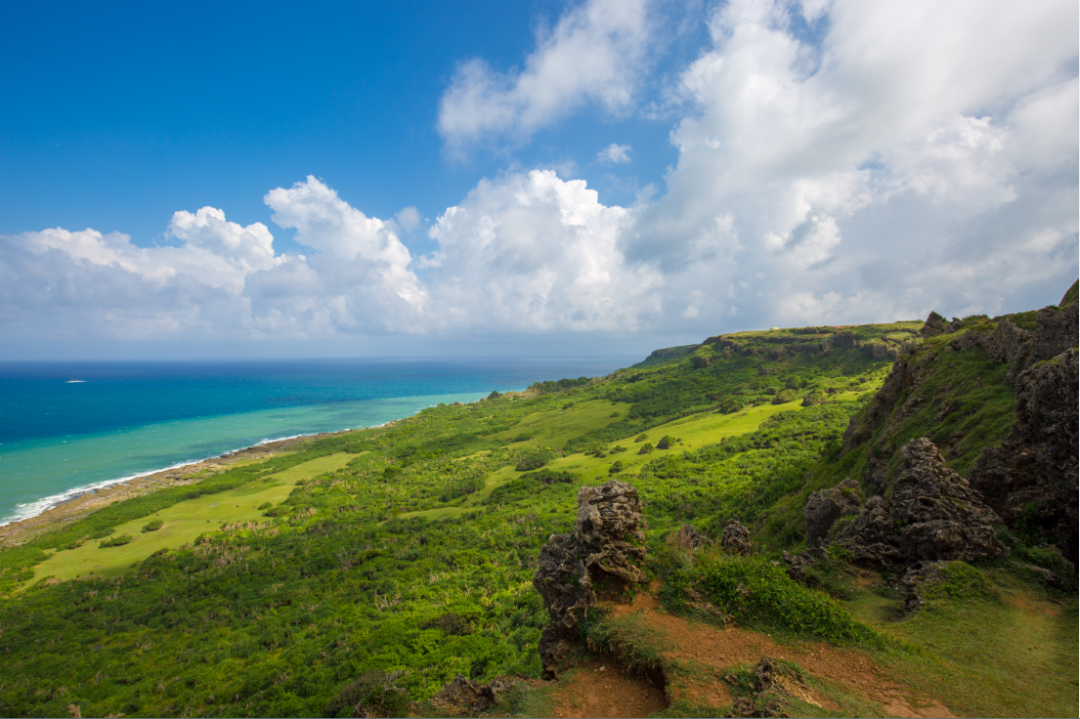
x=95, y=497
x=90, y=498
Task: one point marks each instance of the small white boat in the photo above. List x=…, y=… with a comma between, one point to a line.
x=74, y=381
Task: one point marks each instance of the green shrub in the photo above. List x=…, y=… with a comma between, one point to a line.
x=646, y=449
x=153, y=525
x=665, y=442
x=785, y=396
x=962, y=581
x=117, y=541
x=546, y=475
x=617, y=448
x=461, y=487
x=534, y=459
x=522, y=438
x=754, y=590
x=374, y=694
x=641, y=437
x=265, y=506
x=616, y=468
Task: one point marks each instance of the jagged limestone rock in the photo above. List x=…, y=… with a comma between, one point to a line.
x=934, y=514
x=871, y=535
x=1034, y=472
x=826, y=506
x=939, y=514
x=689, y=538
x=604, y=553
x=934, y=325
x=736, y=539
x=462, y=696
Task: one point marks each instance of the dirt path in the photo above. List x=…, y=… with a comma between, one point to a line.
x=709, y=653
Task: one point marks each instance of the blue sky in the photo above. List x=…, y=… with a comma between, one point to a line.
x=585, y=177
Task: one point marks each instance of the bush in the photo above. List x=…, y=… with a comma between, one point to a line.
x=617, y=448
x=551, y=476
x=116, y=541
x=374, y=694
x=646, y=449
x=754, y=589
x=153, y=525
x=616, y=468
x=522, y=438
x=641, y=437
x=785, y=396
x=665, y=442
x=265, y=506
x=534, y=459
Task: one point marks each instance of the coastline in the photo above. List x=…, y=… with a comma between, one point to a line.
x=92, y=499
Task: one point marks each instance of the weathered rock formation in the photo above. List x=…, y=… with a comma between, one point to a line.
x=1031, y=479
x=933, y=514
x=603, y=554
x=689, y=538
x=462, y=696
x=826, y=506
x=736, y=539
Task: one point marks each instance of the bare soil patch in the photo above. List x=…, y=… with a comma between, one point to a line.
x=710, y=647
x=597, y=689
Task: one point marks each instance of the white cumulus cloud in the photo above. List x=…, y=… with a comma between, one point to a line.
x=595, y=54
x=614, y=154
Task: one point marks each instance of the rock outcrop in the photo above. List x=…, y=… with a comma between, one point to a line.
x=938, y=513
x=934, y=514
x=736, y=539
x=689, y=538
x=462, y=696
x=1032, y=478
x=603, y=554
x=826, y=506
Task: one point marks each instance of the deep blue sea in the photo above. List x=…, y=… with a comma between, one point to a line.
x=66, y=428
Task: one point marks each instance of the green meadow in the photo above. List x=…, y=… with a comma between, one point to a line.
x=183, y=523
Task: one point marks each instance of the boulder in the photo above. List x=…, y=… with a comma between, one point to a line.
x=736, y=539
x=915, y=582
x=934, y=515
x=689, y=538
x=604, y=553
x=940, y=516
x=462, y=696
x=871, y=535
x=824, y=507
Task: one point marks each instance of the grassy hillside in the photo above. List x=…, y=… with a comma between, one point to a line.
x=406, y=552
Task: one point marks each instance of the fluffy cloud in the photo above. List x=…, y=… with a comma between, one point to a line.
x=594, y=55
x=904, y=159
x=531, y=252
x=614, y=154
x=874, y=174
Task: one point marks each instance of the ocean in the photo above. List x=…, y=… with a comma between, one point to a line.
x=67, y=428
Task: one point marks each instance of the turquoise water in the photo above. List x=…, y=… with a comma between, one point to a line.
x=59, y=438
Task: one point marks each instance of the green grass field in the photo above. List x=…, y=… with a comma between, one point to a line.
x=183, y=523
x=555, y=427
x=694, y=431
